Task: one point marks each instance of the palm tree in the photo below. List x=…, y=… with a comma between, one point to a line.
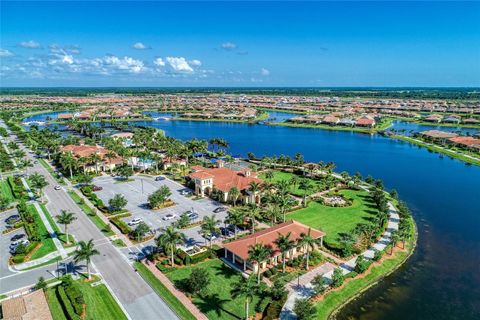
x=247, y=288
x=254, y=188
x=393, y=239
x=110, y=155
x=283, y=202
x=305, y=186
x=68, y=161
x=37, y=181
x=95, y=158
x=254, y=212
x=269, y=175
x=258, y=253
x=169, y=239
x=65, y=217
x=85, y=251
x=235, y=217
x=271, y=212
x=209, y=226
x=308, y=242
x=234, y=193
x=284, y=243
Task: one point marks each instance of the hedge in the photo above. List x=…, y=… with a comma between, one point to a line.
x=17, y=187
x=66, y=305
x=75, y=296
x=121, y=225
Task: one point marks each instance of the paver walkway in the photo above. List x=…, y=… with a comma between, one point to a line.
x=177, y=293
x=305, y=290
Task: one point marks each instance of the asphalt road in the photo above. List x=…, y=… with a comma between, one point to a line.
x=136, y=296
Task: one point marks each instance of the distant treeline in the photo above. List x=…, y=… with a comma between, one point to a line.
x=347, y=92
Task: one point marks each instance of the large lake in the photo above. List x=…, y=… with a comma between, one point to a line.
x=442, y=279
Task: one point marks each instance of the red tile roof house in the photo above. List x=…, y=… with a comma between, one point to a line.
x=365, y=121
x=86, y=151
x=465, y=142
x=236, y=252
x=221, y=180
x=437, y=135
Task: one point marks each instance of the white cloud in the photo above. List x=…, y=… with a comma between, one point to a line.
x=159, y=62
x=4, y=53
x=30, y=44
x=55, y=48
x=179, y=64
x=229, y=46
x=195, y=63
x=264, y=72
x=126, y=63
x=140, y=46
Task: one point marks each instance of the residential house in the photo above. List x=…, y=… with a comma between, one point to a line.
x=31, y=306
x=85, y=152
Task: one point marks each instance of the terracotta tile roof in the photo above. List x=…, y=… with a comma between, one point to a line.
x=201, y=175
x=84, y=151
x=29, y=307
x=438, y=134
x=466, y=141
x=225, y=179
x=267, y=237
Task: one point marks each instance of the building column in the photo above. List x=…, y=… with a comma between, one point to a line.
x=244, y=265
x=225, y=249
x=233, y=258
x=321, y=241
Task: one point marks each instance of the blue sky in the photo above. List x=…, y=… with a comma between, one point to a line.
x=240, y=44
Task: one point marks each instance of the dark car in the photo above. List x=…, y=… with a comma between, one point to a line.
x=97, y=188
x=159, y=178
x=17, y=237
x=13, y=219
x=220, y=209
x=192, y=215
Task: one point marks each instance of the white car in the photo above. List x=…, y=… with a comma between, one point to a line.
x=57, y=187
x=170, y=216
x=135, y=221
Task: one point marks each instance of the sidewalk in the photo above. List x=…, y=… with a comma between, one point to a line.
x=178, y=294
x=305, y=290
x=44, y=259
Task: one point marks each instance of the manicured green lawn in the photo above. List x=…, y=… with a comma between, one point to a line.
x=5, y=190
x=47, y=243
x=99, y=303
x=218, y=302
x=163, y=292
x=295, y=190
x=336, y=220
x=60, y=234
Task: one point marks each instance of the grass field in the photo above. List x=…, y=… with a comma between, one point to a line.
x=336, y=220
x=163, y=292
x=47, y=243
x=218, y=302
x=56, y=228
x=295, y=190
x=5, y=190
x=99, y=303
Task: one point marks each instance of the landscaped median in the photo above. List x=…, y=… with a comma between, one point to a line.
x=163, y=292
x=102, y=225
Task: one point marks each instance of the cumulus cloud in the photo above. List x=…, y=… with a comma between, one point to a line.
x=264, y=72
x=30, y=44
x=179, y=64
x=140, y=46
x=4, y=53
x=195, y=63
x=55, y=48
x=159, y=62
x=229, y=46
x=126, y=64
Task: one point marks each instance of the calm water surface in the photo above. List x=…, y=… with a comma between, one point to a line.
x=442, y=279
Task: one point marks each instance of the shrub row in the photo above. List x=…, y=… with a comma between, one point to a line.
x=17, y=187
x=97, y=202
x=66, y=305
x=121, y=225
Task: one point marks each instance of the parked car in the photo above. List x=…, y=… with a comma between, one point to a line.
x=220, y=209
x=159, y=178
x=35, y=162
x=14, y=246
x=170, y=216
x=185, y=192
x=135, y=221
x=17, y=237
x=97, y=188
x=228, y=231
x=57, y=187
x=192, y=215
x=213, y=236
x=13, y=219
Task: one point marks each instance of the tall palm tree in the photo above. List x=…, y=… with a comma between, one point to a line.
x=253, y=213
x=169, y=239
x=285, y=244
x=235, y=217
x=254, y=188
x=283, y=202
x=247, y=288
x=234, y=193
x=68, y=161
x=305, y=186
x=307, y=242
x=258, y=253
x=210, y=226
x=65, y=217
x=85, y=251
x=95, y=158
x=110, y=155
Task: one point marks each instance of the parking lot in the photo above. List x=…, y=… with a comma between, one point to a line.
x=5, y=242
x=137, y=192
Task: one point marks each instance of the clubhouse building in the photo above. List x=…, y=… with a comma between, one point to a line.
x=236, y=252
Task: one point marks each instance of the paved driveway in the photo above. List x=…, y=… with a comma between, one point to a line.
x=137, y=192
x=5, y=242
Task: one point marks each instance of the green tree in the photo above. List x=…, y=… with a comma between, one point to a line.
x=307, y=242
x=169, y=239
x=246, y=288
x=85, y=251
x=125, y=172
x=117, y=203
x=183, y=221
x=65, y=217
x=38, y=182
x=140, y=231
x=234, y=193
x=68, y=162
x=209, y=227
x=159, y=197
x=306, y=187
x=284, y=244
x=361, y=264
x=319, y=284
x=41, y=284
x=258, y=253
x=269, y=175
x=198, y=280
x=304, y=309
x=337, y=278
x=235, y=218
